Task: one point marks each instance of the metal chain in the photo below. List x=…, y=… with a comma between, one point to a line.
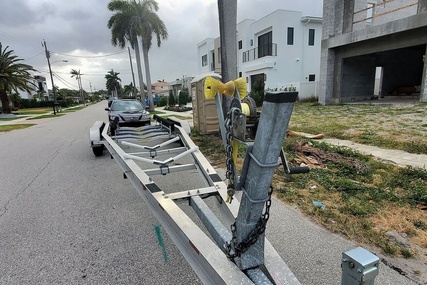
x=242, y=247
x=229, y=157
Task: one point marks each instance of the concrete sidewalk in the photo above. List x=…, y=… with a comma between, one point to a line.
x=399, y=157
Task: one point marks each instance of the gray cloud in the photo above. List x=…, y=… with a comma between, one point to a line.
x=75, y=30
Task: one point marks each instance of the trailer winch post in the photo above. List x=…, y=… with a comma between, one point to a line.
x=263, y=159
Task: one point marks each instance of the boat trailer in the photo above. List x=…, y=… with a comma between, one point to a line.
x=222, y=238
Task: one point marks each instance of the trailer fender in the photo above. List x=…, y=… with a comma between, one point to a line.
x=95, y=134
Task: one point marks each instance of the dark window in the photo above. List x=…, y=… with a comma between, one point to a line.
x=240, y=74
x=213, y=61
x=205, y=60
x=311, y=37
x=290, y=36
x=265, y=44
x=240, y=44
x=312, y=77
x=41, y=89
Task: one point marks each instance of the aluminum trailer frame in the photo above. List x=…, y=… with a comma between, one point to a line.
x=204, y=254
x=205, y=250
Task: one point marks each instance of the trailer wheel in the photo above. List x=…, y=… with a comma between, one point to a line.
x=98, y=150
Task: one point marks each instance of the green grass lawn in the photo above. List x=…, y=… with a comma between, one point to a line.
x=46, y=116
x=34, y=111
x=363, y=198
x=8, y=128
x=388, y=126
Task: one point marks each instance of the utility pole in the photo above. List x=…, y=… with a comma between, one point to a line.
x=51, y=77
x=79, y=78
x=227, y=12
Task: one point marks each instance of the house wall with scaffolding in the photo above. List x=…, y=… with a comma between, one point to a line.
x=373, y=49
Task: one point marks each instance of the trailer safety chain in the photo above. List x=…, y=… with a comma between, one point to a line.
x=242, y=247
x=229, y=174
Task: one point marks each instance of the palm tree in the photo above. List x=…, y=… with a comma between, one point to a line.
x=13, y=76
x=123, y=30
x=113, y=82
x=135, y=19
x=76, y=73
x=128, y=90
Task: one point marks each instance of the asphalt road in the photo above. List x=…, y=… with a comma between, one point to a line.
x=68, y=217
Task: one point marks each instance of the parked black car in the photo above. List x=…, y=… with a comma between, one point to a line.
x=130, y=113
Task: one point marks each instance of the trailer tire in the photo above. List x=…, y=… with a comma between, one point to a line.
x=98, y=150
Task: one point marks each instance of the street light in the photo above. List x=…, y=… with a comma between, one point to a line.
x=64, y=60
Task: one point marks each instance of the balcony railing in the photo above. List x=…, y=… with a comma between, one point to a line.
x=261, y=51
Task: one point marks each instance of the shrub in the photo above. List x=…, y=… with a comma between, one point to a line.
x=171, y=99
x=258, y=96
x=183, y=97
x=163, y=101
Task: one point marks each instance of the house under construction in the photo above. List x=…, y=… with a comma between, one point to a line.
x=373, y=49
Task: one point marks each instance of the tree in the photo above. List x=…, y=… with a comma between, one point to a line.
x=257, y=92
x=171, y=98
x=183, y=97
x=113, y=82
x=135, y=19
x=123, y=30
x=78, y=75
x=128, y=90
x=13, y=76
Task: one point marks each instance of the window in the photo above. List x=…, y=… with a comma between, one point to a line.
x=213, y=61
x=219, y=55
x=290, y=36
x=312, y=77
x=205, y=60
x=311, y=37
x=240, y=74
x=265, y=44
x=240, y=44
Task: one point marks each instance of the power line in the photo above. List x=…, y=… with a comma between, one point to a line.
x=33, y=56
x=90, y=56
x=64, y=81
x=18, y=41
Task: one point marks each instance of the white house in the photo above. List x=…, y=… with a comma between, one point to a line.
x=38, y=83
x=282, y=49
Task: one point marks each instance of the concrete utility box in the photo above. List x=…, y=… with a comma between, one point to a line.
x=359, y=267
x=205, y=116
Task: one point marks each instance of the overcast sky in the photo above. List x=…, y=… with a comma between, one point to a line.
x=77, y=31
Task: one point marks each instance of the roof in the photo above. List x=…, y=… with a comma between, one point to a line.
x=161, y=83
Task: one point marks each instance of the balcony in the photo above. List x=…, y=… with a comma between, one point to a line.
x=261, y=51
